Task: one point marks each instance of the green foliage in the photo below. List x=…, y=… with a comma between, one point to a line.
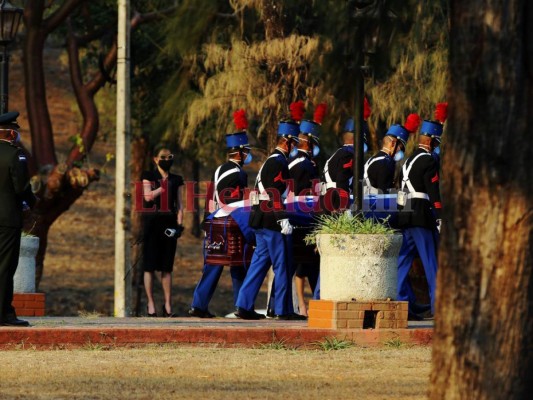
x=334, y=343
x=276, y=344
x=345, y=223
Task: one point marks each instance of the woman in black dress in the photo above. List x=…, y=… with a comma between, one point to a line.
x=162, y=194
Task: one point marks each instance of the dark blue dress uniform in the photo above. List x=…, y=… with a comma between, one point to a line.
x=337, y=179
x=230, y=182
x=304, y=175
x=14, y=190
x=418, y=217
x=272, y=246
x=379, y=173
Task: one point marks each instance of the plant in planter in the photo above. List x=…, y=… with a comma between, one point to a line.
x=358, y=257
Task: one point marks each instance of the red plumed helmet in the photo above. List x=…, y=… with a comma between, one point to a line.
x=441, y=112
x=367, y=110
x=320, y=112
x=412, y=122
x=239, y=119
x=297, y=110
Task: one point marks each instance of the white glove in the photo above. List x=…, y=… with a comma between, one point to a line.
x=286, y=227
x=439, y=224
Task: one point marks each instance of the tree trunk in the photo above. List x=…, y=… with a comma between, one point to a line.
x=484, y=327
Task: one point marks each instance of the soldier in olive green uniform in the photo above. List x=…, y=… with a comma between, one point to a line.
x=14, y=190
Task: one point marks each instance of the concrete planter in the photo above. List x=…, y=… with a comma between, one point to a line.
x=24, y=280
x=358, y=267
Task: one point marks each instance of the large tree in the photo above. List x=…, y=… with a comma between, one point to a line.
x=483, y=345
x=90, y=32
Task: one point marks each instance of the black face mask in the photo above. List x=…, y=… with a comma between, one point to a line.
x=165, y=164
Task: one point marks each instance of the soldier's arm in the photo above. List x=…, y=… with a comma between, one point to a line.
x=432, y=185
x=19, y=173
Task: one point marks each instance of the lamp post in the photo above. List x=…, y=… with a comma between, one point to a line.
x=366, y=16
x=10, y=17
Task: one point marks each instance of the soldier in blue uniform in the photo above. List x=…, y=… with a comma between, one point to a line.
x=380, y=169
x=14, y=191
x=305, y=178
x=273, y=231
x=337, y=176
x=230, y=182
x=419, y=205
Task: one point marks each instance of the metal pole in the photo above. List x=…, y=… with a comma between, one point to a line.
x=122, y=193
x=358, y=161
x=4, y=78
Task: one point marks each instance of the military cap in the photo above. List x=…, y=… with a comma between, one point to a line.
x=9, y=118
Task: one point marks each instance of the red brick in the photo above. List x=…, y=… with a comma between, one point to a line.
x=25, y=312
x=342, y=305
x=23, y=296
x=321, y=304
x=39, y=313
x=348, y=314
x=359, y=306
x=355, y=324
x=34, y=304
x=342, y=324
x=389, y=305
x=17, y=304
x=320, y=323
x=314, y=313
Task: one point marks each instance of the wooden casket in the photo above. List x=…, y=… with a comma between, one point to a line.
x=225, y=244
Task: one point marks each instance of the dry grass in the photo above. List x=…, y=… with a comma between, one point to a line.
x=183, y=372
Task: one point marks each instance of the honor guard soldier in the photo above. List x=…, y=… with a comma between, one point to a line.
x=230, y=182
x=305, y=177
x=14, y=191
x=337, y=177
x=379, y=169
x=273, y=231
x=419, y=206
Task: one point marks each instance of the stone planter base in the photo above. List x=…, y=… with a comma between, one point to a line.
x=29, y=304
x=330, y=314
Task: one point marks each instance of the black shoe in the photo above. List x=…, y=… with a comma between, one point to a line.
x=271, y=313
x=198, y=313
x=165, y=314
x=12, y=320
x=150, y=315
x=245, y=314
x=291, y=317
x=413, y=317
x=419, y=308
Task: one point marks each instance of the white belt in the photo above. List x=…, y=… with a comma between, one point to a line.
x=371, y=190
x=263, y=196
x=418, y=195
x=324, y=186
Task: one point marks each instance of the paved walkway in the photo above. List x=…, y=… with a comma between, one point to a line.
x=71, y=332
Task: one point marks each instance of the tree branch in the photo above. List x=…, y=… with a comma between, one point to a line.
x=62, y=13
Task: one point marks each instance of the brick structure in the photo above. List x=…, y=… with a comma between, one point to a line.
x=29, y=304
x=331, y=314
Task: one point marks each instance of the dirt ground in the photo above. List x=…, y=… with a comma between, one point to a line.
x=213, y=373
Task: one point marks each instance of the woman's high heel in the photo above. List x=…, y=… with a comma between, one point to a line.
x=165, y=314
x=150, y=315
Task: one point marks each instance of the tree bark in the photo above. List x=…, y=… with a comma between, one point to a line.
x=484, y=319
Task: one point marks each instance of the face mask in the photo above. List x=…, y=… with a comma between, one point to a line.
x=436, y=150
x=248, y=159
x=316, y=151
x=165, y=164
x=365, y=148
x=399, y=155
x=294, y=151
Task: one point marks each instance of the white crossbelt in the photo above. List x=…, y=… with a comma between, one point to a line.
x=413, y=194
x=218, y=179
x=263, y=195
x=369, y=189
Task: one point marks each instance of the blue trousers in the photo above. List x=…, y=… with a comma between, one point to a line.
x=272, y=248
x=208, y=282
x=424, y=242
x=316, y=292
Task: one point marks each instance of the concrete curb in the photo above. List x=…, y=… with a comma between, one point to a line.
x=53, y=333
